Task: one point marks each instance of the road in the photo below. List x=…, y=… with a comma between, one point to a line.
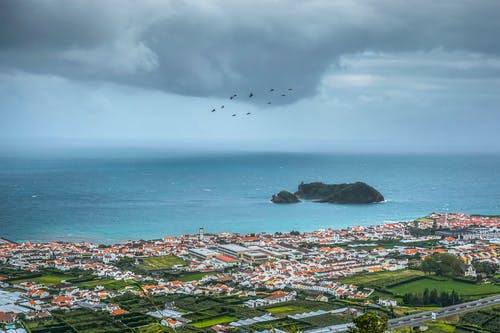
x=419, y=318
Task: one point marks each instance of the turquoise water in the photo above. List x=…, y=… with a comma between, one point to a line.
x=112, y=199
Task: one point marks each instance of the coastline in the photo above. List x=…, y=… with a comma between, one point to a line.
x=98, y=241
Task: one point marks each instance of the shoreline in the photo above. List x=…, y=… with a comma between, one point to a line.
x=99, y=241
x=108, y=241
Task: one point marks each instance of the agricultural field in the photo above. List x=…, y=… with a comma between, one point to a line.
x=401, y=311
x=213, y=321
x=485, y=320
x=80, y=320
x=106, y=283
x=300, y=306
x=47, y=279
x=89, y=282
x=444, y=284
x=160, y=263
x=153, y=328
x=185, y=276
x=194, y=276
x=285, y=324
x=287, y=310
x=136, y=319
x=383, y=279
x=327, y=319
x=133, y=303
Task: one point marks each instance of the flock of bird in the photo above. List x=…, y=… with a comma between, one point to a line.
x=251, y=95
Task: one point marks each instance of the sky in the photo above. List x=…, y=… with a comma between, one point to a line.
x=366, y=76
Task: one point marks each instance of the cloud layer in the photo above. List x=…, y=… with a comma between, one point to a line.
x=216, y=48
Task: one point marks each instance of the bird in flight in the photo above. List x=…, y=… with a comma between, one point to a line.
x=251, y=94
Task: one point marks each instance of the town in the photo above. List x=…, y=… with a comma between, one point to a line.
x=256, y=282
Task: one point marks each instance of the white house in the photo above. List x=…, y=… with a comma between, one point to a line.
x=387, y=302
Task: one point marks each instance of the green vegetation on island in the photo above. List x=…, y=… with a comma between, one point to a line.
x=285, y=197
x=358, y=192
x=353, y=193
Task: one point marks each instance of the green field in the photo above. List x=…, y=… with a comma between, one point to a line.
x=300, y=306
x=402, y=310
x=213, y=321
x=106, y=283
x=443, y=284
x=48, y=280
x=186, y=276
x=285, y=324
x=153, y=328
x=327, y=319
x=80, y=320
x=288, y=309
x=161, y=262
x=382, y=279
x=54, y=279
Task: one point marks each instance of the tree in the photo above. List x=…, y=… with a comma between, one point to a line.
x=442, y=264
x=454, y=298
x=369, y=323
x=433, y=297
x=444, y=298
x=485, y=267
x=426, y=296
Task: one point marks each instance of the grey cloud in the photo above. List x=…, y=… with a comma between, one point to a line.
x=215, y=48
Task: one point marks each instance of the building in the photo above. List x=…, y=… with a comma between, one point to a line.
x=233, y=250
x=387, y=302
x=170, y=322
x=469, y=270
x=8, y=317
x=276, y=297
x=255, y=257
x=201, y=235
x=203, y=253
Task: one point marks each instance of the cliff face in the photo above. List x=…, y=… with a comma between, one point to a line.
x=358, y=192
x=285, y=197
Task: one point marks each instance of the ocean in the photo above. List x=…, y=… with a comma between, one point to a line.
x=110, y=199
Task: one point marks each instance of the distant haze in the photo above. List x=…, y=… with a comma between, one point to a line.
x=365, y=75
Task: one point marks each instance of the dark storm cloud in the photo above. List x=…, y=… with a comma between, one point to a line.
x=215, y=48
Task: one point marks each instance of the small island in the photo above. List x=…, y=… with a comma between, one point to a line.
x=285, y=197
x=351, y=193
